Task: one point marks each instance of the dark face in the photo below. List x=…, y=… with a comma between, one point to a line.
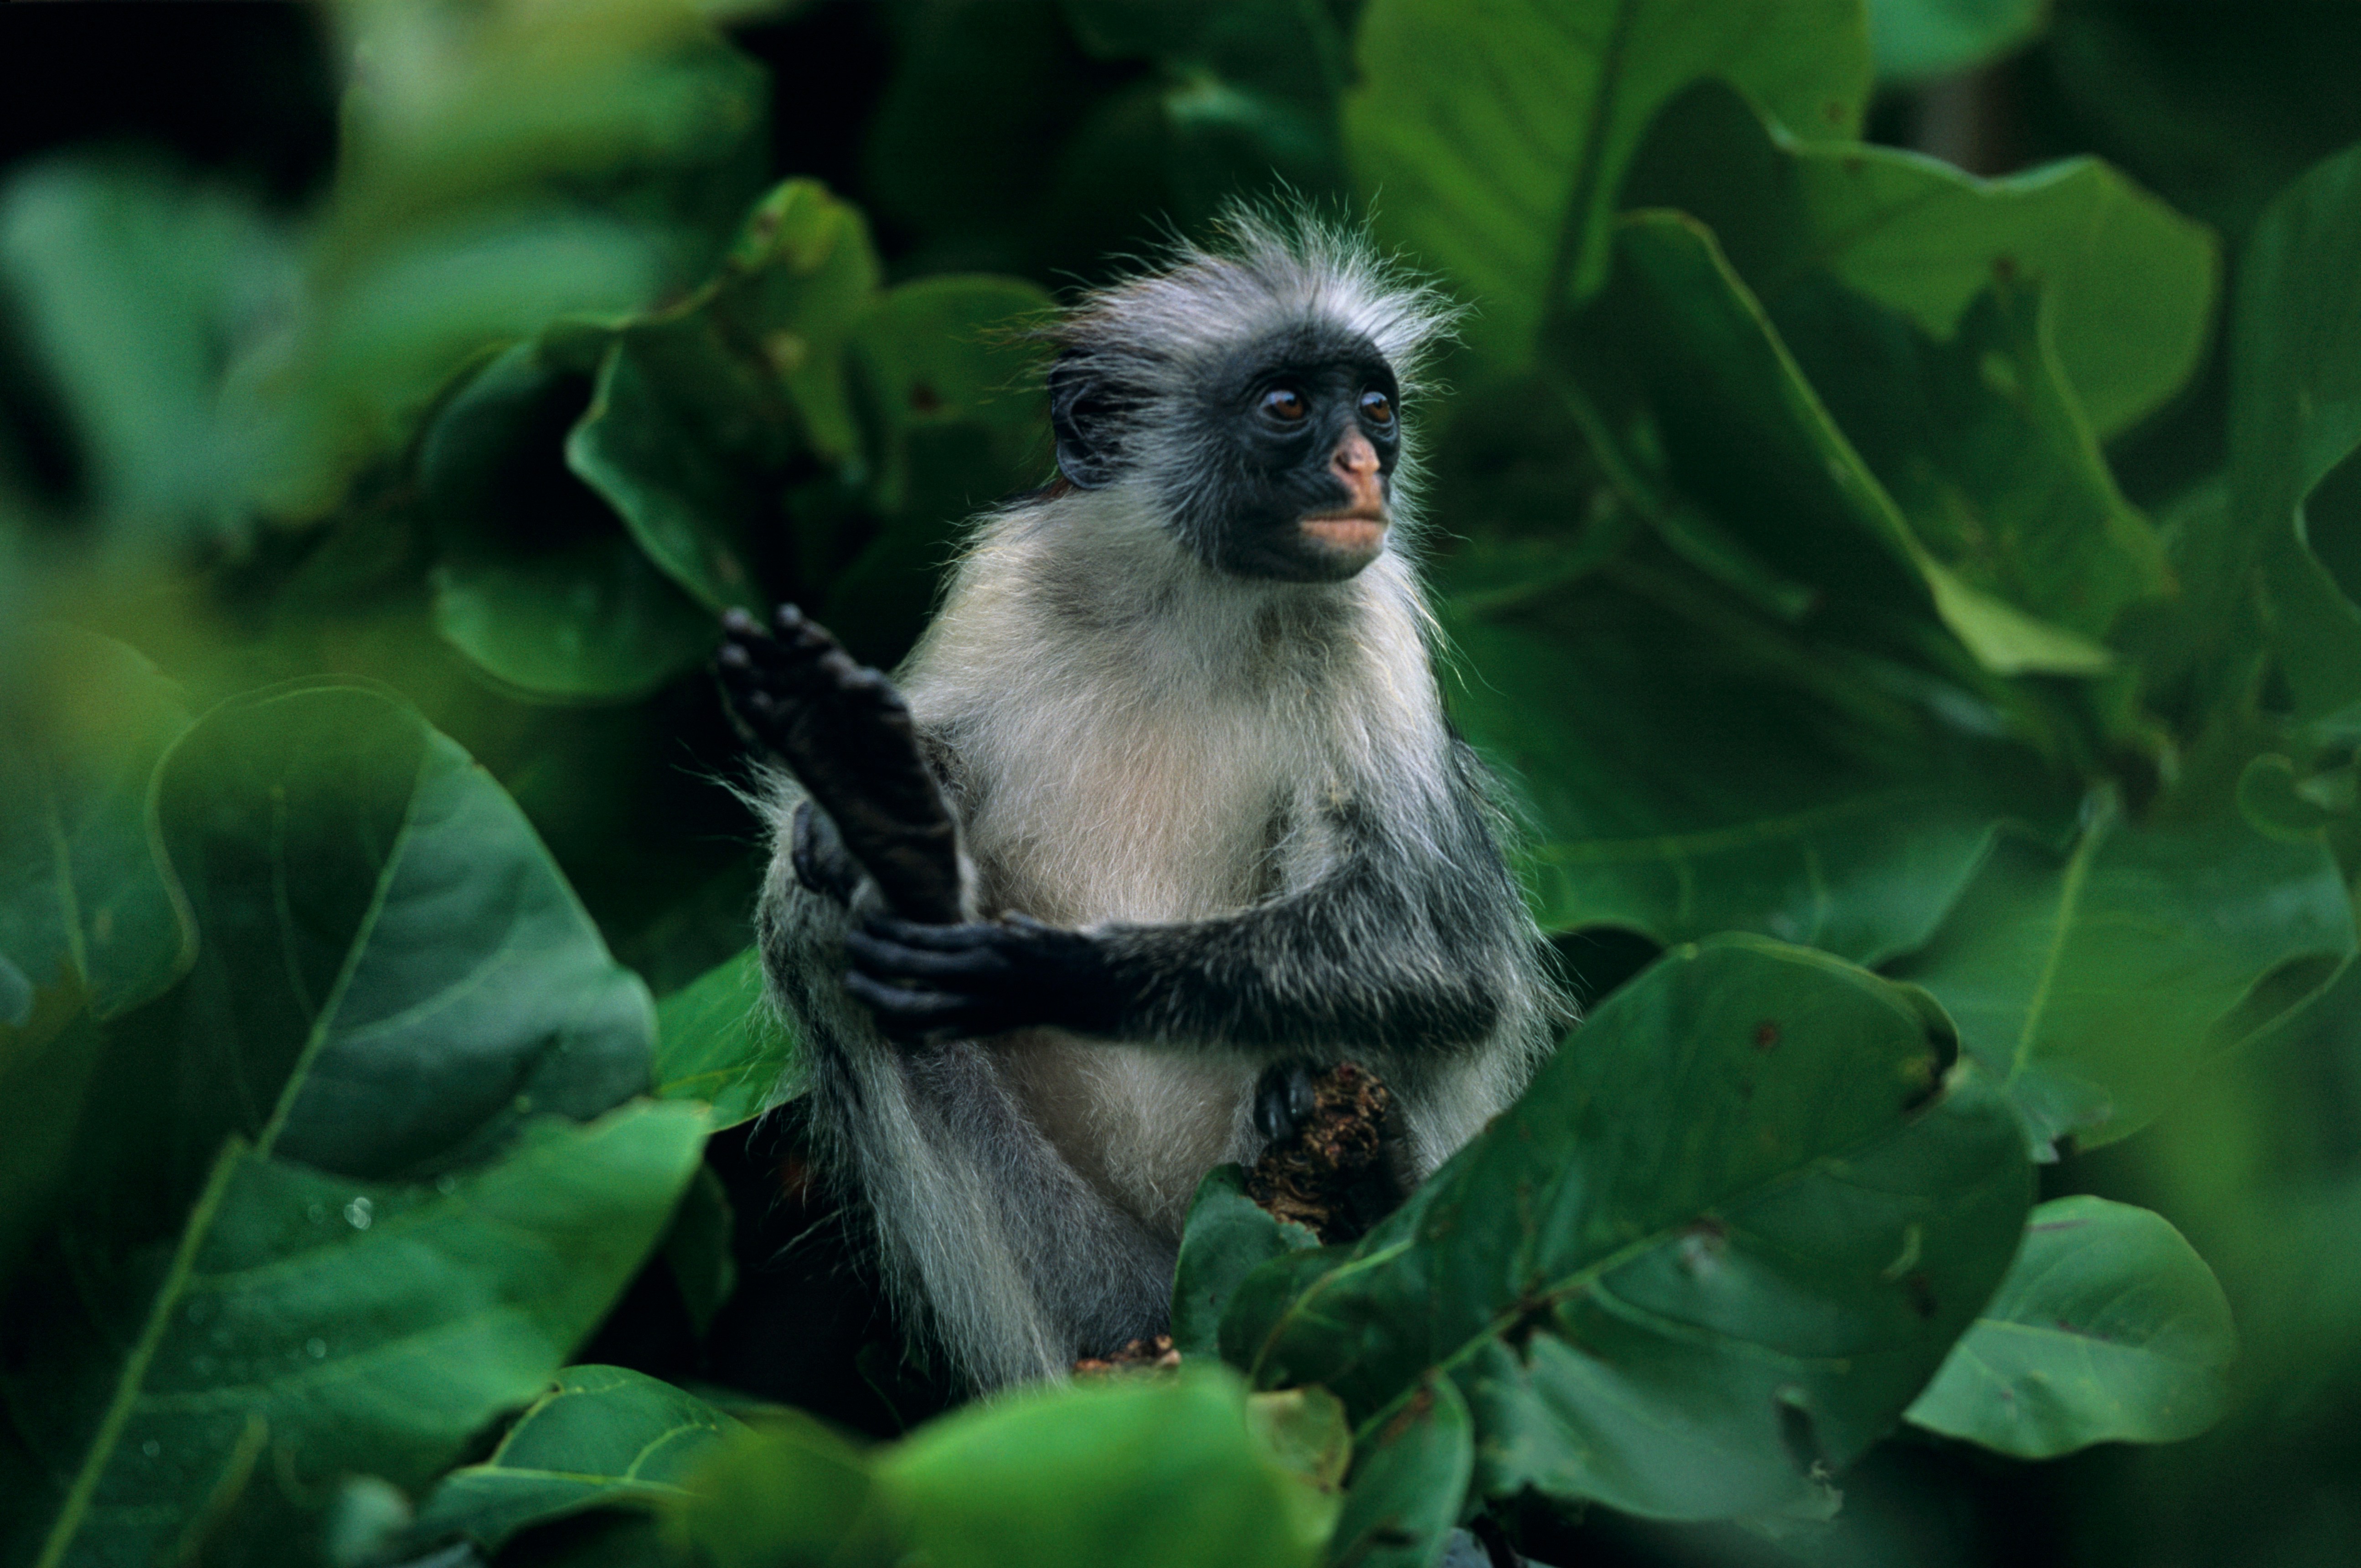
x=1293, y=443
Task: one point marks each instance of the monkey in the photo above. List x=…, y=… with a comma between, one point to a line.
x=1189, y=817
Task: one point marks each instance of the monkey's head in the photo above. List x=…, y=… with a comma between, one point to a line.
x=1252, y=393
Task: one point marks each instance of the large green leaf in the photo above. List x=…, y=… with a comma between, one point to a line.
x=2107, y=1328
x=2128, y=284
x=310, y=1325
x=717, y=1041
x=1693, y=393
x=393, y=973
x=1726, y=1237
x=1494, y=137
x=2090, y=986
x=1148, y=1472
x=2295, y=423
x=604, y=1436
x=1684, y=775
x=84, y=897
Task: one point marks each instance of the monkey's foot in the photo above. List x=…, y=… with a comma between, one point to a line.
x=845, y=732
x=1329, y=1174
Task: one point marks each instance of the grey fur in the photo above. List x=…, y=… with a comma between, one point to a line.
x=1247, y=787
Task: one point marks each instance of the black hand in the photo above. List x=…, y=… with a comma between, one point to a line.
x=931, y=982
x=846, y=733
x=1284, y=1100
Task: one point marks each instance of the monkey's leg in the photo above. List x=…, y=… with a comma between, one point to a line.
x=846, y=733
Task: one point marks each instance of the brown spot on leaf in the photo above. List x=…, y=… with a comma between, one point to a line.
x=1921, y=1294
x=924, y=397
x=1766, y=1036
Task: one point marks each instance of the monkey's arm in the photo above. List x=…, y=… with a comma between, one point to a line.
x=1392, y=948
x=845, y=732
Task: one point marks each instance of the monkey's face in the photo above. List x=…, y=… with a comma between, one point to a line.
x=1281, y=456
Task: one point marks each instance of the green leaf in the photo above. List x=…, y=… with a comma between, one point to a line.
x=1682, y=380
x=2108, y=1328
x=85, y=896
x=1228, y=1234
x=393, y=973
x=2295, y=423
x=1725, y=1237
x=312, y=1324
x=697, y=1249
x=1409, y=1484
x=2129, y=285
x=1913, y=40
x=717, y=1041
x=1685, y=777
x=1495, y=141
x=1160, y=1474
x=2090, y=986
x=604, y=1436
x=132, y=286
x=788, y=1494
x=538, y=583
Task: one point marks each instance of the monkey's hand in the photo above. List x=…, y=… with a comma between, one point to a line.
x=846, y=733
x=817, y=853
x=934, y=982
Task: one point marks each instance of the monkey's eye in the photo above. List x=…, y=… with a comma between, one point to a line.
x=1378, y=409
x=1284, y=402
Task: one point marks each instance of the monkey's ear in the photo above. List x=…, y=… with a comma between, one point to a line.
x=1083, y=415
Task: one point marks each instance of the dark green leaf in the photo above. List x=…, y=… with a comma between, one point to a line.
x=2091, y=987
x=539, y=584
x=717, y=1041
x=788, y=1494
x=697, y=1250
x=2107, y=1328
x=1227, y=1236
x=1497, y=140
x=1722, y=1239
x=312, y=1324
x=1686, y=776
x=1409, y=1483
x=604, y=1436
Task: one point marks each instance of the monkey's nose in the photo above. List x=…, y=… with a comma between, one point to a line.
x=1356, y=463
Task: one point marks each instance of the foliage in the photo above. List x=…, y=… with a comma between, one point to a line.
x=1969, y=794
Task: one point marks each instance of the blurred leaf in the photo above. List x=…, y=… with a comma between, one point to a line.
x=1916, y=39
x=2090, y=986
x=49, y=1067
x=718, y=1041
x=1509, y=190
x=1305, y=1429
x=1687, y=775
x=537, y=582
x=2129, y=285
x=83, y=893
x=1147, y=1474
x=135, y=288
x=311, y=1325
x=604, y=1436
x=796, y=284
x=1226, y=1236
x=1721, y=1240
x=787, y=1494
x=2107, y=1328
x=1409, y=1484
x=2295, y=421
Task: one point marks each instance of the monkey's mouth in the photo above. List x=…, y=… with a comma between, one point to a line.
x=1350, y=533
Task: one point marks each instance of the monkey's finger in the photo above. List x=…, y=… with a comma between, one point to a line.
x=900, y=1008
x=875, y=956
x=936, y=938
